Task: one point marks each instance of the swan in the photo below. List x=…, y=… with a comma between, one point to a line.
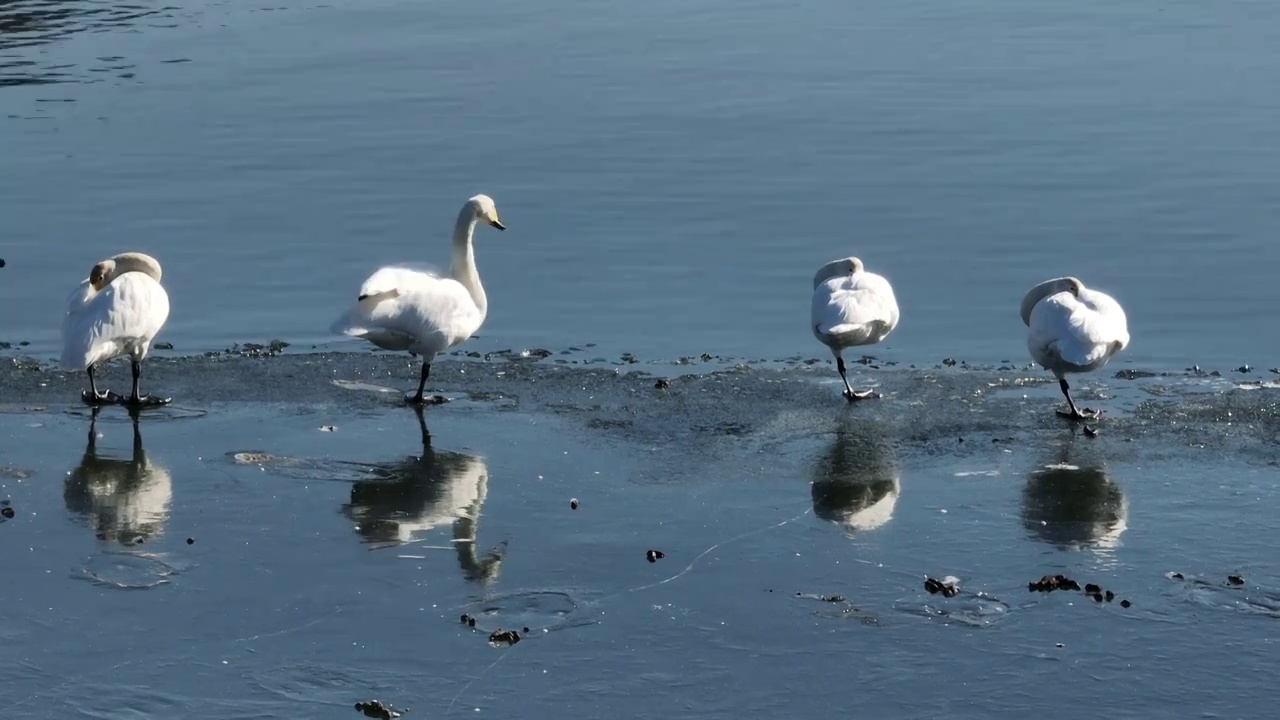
x=116, y=311
x=403, y=309
x=1072, y=329
x=851, y=307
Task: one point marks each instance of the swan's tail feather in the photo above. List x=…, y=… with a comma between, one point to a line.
x=358, y=324
x=841, y=329
x=849, y=334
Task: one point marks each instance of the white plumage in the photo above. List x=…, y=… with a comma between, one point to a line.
x=851, y=307
x=399, y=308
x=116, y=312
x=1072, y=329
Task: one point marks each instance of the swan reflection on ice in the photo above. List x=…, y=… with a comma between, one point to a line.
x=402, y=501
x=124, y=500
x=1074, y=506
x=856, y=480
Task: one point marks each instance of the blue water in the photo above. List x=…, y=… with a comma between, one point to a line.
x=672, y=176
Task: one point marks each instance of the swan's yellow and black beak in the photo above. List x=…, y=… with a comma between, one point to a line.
x=497, y=224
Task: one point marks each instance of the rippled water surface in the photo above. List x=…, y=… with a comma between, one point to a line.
x=287, y=539
x=672, y=176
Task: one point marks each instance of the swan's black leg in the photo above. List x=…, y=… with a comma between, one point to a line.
x=92, y=396
x=422, y=382
x=136, y=399
x=1075, y=414
x=419, y=398
x=849, y=393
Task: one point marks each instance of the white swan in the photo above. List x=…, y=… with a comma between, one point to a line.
x=1072, y=329
x=403, y=309
x=851, y=307
x=117, y=311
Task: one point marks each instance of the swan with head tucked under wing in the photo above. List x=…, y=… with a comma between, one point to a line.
x=118, y=310
x=1072, y=329
x=851, y=307
x=403, y=309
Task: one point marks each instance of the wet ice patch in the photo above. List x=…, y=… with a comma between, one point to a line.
x=162, y=413
x=127, y=571
x=300, y=468
x=538, y=610
x=972, y=609
x=1231, y=594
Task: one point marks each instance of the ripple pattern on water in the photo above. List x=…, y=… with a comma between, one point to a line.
x=26, y=26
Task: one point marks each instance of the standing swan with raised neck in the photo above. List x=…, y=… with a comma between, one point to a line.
x=399, y=308
x=117, y=311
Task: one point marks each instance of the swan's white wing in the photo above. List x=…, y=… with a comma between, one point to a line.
x=392, y=280
x=1083, y=332
x=1109, y=321
x=122, y=318
x=403, y=309
x=854, y=309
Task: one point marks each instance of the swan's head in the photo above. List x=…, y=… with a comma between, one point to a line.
x=104, y=272
x=485, y=210
x=1044, y=290
x=837, y=268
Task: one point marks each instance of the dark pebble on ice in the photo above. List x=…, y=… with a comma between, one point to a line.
x=377, y=709
x=1092, y=588
x=1235, y=579
x=1110, y=596
x=1090, y=431
x=654, y=555
x=662, y=384
x=7, y=512
x=510, y=637
x=1125, y=603
x=573, y=504
x=935, y=586
x=1049, y=583
x=191, y=541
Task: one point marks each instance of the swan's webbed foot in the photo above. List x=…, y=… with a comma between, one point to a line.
x=420, y=399
x=146, y=401
x=100, y=398
x=1075, y=415
x=853, y=395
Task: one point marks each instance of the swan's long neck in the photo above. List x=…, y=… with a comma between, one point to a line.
x=136, y=262
x=464, y=258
